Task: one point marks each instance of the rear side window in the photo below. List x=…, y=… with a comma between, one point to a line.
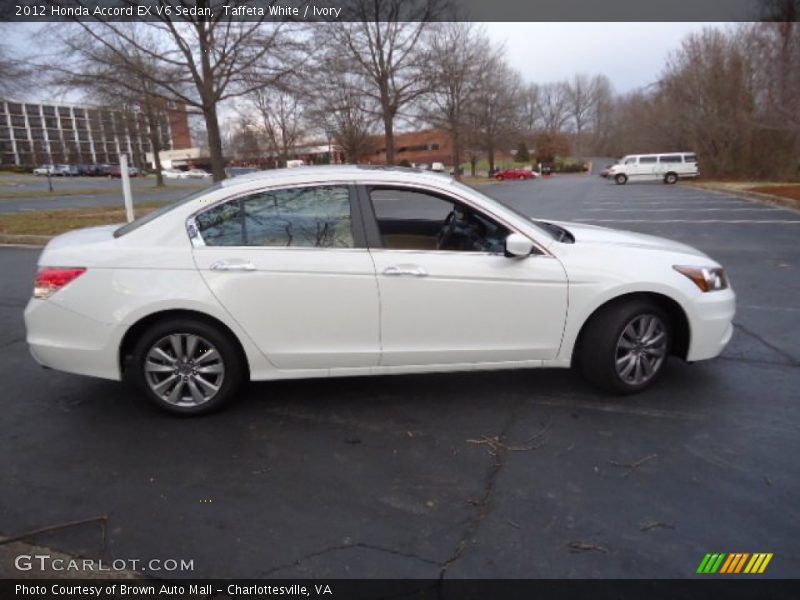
x=315, y=217
x=151, y=216
x=647, y=160
x=690, y=158
x=671, y=158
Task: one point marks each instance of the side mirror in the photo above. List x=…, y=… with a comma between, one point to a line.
x=518, y=245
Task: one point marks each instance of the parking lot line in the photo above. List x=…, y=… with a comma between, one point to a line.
x=699, y=221
x=681, y=209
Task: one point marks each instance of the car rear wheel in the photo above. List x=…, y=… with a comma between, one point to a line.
x=187, y=366
x=498, y=177
x=625, y=346
x=621, y=179
x=670, y=178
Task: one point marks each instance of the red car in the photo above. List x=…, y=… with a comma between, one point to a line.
x=514, y=174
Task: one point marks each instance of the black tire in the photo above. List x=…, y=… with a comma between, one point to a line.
x=209, y=337
x=599, y=347
x=671, y=178
x=621, y=179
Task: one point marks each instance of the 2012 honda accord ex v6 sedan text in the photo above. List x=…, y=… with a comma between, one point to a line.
x=320, y=272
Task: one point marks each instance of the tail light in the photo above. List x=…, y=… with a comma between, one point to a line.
x=51, y=279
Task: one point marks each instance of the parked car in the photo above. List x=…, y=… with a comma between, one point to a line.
x=667, y=167
x=514, y=174
x=196, y=174
x=82, y=170
x=44, y=170
x=307, y=273
x=173, y=174
x=99, y=170
x=116, y=172
x=437, y=167
x=63, y=170
x=238, y=171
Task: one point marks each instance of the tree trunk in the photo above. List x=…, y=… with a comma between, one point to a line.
x=388, y=125
x=490, y=153
x=155, y=143
x=214, y=143
x=456, y=139
x=473, y=163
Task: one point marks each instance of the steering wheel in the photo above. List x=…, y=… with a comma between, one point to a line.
x=460, y=233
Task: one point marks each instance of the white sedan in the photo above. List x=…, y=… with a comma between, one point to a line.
x=173, y=174
x=342, y=271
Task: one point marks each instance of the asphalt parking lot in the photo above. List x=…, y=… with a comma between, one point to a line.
x=402, y=476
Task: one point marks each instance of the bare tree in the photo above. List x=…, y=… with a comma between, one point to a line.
x=211, y=59
x=280, y=121
x=495, y=110
x=101, y=72
x=457, y=55
x=382, y=39
x=582, y=95
x=553, y=106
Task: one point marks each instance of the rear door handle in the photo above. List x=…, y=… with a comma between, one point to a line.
x=405, y=271
x=222, y=265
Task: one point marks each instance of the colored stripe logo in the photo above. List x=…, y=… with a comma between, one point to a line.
x=734, y=563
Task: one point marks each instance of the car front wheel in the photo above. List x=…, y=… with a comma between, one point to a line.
x=625, y=346
x=187, y=366
x=621, y=179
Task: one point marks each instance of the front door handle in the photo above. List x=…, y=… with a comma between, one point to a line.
x=405, y=271
x=222, y=265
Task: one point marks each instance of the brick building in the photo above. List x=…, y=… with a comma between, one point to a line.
x=43, y=133
x=418, y=147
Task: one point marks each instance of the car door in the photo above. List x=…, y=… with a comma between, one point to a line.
x=291, y=267
x=457, y=303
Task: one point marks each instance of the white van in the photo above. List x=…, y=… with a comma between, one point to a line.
x=668, y=167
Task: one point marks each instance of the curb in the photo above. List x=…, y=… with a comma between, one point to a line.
x=11, y=239
x=754, y=196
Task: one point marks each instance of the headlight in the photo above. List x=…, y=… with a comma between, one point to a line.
x=708, y=279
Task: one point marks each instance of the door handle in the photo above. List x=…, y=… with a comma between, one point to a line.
x=405, y=271
x=222, y=265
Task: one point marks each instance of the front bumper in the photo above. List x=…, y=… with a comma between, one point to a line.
x=711, y=324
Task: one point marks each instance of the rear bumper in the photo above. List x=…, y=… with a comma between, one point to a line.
x=61, y=339
x=711, y=325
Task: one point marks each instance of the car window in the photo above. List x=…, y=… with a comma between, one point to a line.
x=133, y=225
x=411, y=219
x=630, y=161
x=690, y=158
x=643, y=160
x=311, y=217
x=671, y=158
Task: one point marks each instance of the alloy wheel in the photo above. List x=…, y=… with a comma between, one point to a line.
x=184, y=369
x=641, y=349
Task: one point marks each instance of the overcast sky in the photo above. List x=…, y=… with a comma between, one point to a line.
x=630, y=54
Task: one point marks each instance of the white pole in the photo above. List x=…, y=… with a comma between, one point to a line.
x=126, y=186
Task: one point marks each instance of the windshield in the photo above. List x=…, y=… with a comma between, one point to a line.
x=133, y=225
x=538, y=224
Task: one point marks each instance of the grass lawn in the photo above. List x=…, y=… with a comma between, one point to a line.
x=54, y=222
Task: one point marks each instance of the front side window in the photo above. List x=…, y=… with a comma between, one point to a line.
x=630, y=161
x=313, y=217
x=411, y=219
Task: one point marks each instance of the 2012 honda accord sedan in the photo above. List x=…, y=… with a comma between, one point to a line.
x=341, y=271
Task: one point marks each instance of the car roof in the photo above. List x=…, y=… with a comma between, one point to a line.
x=337, y=172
